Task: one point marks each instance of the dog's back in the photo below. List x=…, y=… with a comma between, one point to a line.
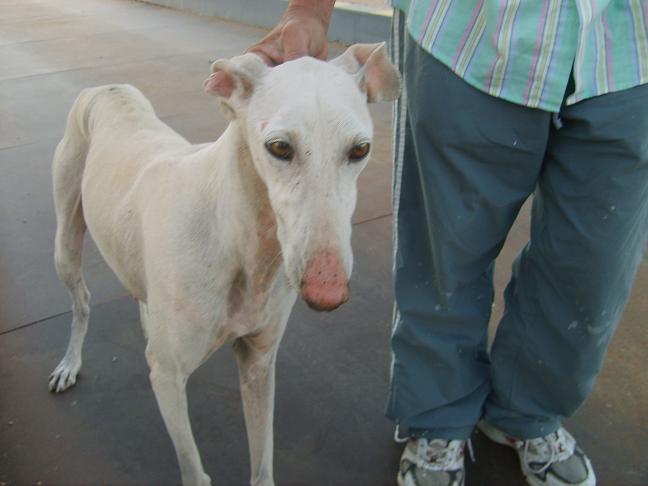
x=112, y=137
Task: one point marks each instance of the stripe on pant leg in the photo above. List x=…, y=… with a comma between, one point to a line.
x=399, y=119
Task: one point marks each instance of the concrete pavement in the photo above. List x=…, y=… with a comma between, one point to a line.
x=332, y=369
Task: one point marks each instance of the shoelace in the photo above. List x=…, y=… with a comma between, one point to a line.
x=440, y=453
x=397, y=438
x=559, y=445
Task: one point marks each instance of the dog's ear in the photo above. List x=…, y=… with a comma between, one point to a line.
x=376, y=75
x=233, y=80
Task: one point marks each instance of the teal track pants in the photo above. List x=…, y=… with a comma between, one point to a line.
x=465, y=164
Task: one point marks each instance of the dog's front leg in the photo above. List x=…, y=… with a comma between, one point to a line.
x=169, y=381
x=256, y=356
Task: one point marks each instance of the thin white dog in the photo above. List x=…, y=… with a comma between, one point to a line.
x=215, y=241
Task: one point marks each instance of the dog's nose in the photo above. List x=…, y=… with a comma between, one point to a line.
x=325, y=284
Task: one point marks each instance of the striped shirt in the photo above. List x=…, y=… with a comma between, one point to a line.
x=524, y=51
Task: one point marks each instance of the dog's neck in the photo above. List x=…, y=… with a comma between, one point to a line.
x=242, y=203
x=231, y=158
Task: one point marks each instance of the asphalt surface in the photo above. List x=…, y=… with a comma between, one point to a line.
x=333, y=368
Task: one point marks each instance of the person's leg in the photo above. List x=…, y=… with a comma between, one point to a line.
x=570, y=284
x=468, y=163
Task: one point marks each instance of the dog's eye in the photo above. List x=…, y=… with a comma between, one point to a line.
x=280, y=149
x=359, y=152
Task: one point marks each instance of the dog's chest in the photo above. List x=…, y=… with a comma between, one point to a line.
x=254, y=292
x=251, y=285
x=248, y=309
x=251, y=292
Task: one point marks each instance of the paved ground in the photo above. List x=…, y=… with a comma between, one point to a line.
x=333, y=368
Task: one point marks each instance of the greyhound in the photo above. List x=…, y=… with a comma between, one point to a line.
x=216, y=241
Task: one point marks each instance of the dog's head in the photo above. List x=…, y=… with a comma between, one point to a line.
x=309, y=132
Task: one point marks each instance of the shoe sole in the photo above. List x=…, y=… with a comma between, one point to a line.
x=401, y=481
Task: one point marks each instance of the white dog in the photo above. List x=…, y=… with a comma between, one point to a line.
x=215, y=241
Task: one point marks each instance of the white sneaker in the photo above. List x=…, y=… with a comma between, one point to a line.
x=435, y=462
x=552, y=460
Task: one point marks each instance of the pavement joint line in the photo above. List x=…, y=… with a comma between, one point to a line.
x=76, y=37
x=38, y=321
x=369, y=220
x=53, y=316
x=55, y=140
x=37, y=18
x=107, y=65
x=26, y=144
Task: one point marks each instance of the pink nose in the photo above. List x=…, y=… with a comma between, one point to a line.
x=325, y=285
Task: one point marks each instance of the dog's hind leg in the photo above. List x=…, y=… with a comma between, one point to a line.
x=67, y=171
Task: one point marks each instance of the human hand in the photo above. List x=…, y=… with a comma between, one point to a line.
x=300, y=32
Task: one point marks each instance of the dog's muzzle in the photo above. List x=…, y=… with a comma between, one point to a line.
x=325, y=284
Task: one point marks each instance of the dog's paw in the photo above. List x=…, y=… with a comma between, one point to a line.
x=197, y=478
x=64, y=376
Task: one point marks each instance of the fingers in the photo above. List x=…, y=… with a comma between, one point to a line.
x=269, y=56
x=264, y=57
x=323, y=53
x=291, y=39
x=295, y=41
x=269, y=48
